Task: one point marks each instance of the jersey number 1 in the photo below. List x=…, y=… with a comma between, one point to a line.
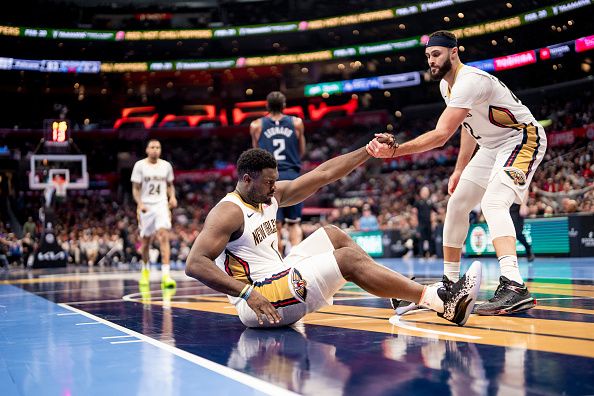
x=280, y=148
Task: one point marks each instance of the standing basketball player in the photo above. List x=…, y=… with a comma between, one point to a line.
x=511, y=146
x=283, y=136
x=153, y=191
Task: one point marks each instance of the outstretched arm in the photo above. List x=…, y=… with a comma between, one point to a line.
x=448, y=123
x=221, y=223
x=295, y=191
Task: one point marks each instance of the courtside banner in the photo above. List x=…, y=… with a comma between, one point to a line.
x=547, y=235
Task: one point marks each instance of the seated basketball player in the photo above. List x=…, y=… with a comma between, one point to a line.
x=236, y=253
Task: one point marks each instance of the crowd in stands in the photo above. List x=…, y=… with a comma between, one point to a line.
x=99, y=226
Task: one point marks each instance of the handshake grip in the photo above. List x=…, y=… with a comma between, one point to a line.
x=384, y=145
x=389, y=139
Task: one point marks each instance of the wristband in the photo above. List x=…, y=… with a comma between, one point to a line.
x=248, y=292
x=243, y=291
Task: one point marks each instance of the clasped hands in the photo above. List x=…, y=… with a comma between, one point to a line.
x=384, y=145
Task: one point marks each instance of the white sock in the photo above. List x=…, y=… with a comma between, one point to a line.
x=509, y=268
x=452, y=270
x=144, y=266
x=430, y=299
x=165, y=269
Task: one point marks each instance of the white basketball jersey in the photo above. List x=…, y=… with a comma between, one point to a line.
x=153, y=179
x=496, y=115
x=254, y=255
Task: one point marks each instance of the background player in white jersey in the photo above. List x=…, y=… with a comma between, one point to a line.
x=512, y=144
x=236, y=252
x=153, y=191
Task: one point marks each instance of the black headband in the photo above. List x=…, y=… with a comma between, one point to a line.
x=442, y=41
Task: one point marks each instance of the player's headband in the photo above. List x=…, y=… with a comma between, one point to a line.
x=442, y=41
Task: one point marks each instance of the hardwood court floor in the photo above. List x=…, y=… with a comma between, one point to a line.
x=75, y=331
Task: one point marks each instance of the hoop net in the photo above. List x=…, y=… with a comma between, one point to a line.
x=60, y=186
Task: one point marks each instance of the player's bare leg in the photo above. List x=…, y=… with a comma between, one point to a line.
x=454, y=304
x=164, y=246
x=295, y=234
x=144, y=256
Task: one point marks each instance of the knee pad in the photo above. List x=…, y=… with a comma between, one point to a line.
x=466, y=196
x=495, y=206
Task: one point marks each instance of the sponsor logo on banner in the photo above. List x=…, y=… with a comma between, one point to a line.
x=51, y=256
x=584, y=44
x=515, y=60
x=589, y=240
x=478, y=240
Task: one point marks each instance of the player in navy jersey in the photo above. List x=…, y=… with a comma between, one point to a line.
x=283, y=136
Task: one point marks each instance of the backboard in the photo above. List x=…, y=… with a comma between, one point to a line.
x=45, y=168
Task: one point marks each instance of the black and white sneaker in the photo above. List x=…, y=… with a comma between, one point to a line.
x=401, y=306
x=510, y=297
x=459, y=297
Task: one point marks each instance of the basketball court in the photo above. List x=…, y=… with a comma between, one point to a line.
x=73, y=331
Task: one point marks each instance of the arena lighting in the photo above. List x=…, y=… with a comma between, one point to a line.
x=241, y=113
x=556, y=50
x=124, y=67
x=307, y=57
x=50, y=66
x=133, y=115
x=251, y=110
x=383, y=47
x=469, y=31
x=231, y=31
x=317, y=113
x=365, y=49
x=209, y=114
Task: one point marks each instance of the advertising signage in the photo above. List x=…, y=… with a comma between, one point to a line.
x=584, y=44
x=546, y=235
x=515, y=60
x=389, y=81
x=370, y=241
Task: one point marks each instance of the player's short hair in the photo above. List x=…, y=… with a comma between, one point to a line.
x=275, y=102
x=253, y=161
x=152, y=140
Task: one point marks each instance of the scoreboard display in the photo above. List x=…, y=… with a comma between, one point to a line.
x=56, y=132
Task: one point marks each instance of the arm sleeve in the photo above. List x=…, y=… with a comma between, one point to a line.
x=136, y=174
x=470, y=90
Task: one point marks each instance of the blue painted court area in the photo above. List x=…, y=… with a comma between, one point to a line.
x=48, y=349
